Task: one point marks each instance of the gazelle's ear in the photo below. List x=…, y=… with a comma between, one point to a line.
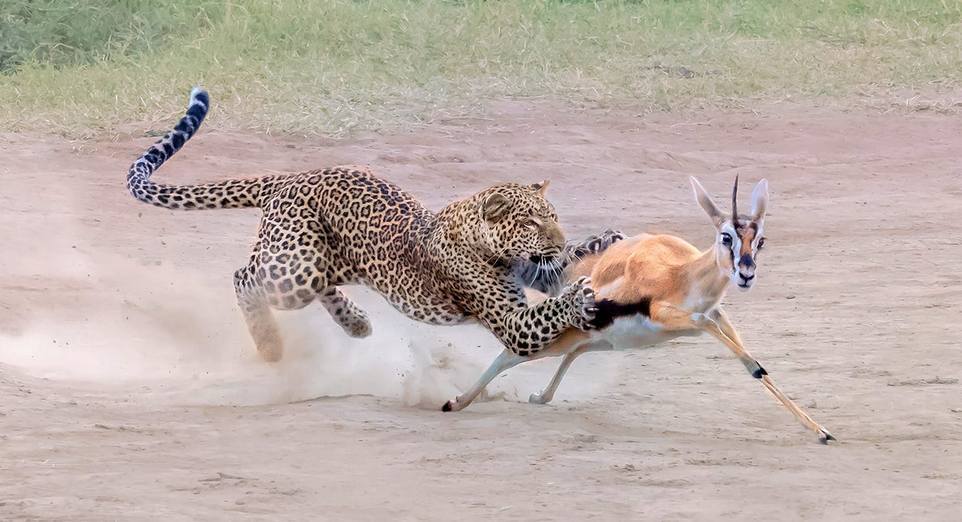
x=495, y=207
x=759, y=201
x=704, y=200
x=542, y=187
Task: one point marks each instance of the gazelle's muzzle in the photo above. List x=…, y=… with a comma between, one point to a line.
x=745, y=271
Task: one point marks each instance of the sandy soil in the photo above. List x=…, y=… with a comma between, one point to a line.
x=131, y=391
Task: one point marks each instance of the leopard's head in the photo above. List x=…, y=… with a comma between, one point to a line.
x=519, y=224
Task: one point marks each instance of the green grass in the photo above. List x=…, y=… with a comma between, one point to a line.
x=331, y=66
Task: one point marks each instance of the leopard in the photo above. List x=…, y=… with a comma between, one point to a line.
x=323, y=229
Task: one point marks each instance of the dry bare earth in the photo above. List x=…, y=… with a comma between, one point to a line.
x=131, y=391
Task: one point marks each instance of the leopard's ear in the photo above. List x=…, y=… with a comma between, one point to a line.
x=542, y=187
x=495, y=207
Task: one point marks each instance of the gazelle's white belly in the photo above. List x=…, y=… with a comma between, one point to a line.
x=636, y=331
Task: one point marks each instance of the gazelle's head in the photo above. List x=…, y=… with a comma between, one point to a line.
x=739, y=236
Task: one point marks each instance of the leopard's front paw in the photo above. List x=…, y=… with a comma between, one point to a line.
x=613, y=236
x=594, y=244
x=581, y=299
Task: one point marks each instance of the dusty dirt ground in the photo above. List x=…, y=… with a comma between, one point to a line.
x=131, y=391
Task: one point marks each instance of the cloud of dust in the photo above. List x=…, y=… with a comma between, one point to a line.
x=170, y=334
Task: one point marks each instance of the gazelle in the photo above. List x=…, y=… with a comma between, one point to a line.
x=653, y=288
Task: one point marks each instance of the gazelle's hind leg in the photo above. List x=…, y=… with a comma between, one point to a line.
x=347, y=314
x=507, y=359
x=547, y=394
x=257, y=313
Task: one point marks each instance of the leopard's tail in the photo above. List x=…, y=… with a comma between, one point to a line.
x=233, y=193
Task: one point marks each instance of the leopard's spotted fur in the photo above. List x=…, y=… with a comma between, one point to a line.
x=325, y=228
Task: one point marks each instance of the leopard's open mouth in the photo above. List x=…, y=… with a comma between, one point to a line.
x=544, y=259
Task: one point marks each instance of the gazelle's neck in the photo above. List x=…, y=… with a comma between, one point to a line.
x=707, y=283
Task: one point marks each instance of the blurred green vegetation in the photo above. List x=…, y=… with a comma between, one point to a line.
x=331, y=66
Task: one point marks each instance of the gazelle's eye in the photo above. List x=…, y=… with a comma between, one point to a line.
x=726, y=239
x=761, y=243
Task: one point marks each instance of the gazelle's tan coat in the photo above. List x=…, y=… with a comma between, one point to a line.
x=653, y=288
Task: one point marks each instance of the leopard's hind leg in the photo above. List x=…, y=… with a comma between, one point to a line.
x=257, y=312
x=347, y=314
x=294, y=262
x=276, y=282
x=315, y=274
x=262, y=288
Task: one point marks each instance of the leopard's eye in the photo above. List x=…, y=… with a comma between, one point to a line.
x=532, y=224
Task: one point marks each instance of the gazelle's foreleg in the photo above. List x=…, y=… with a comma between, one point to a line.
x=507, y=359
x=673, y=318
x=717, y=324
x=722, y=329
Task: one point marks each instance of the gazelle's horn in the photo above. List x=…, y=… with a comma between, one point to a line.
x=735, y=203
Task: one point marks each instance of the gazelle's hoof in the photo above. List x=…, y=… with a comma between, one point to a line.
x=824, y=436
x=451, y=405
x=537, y=398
